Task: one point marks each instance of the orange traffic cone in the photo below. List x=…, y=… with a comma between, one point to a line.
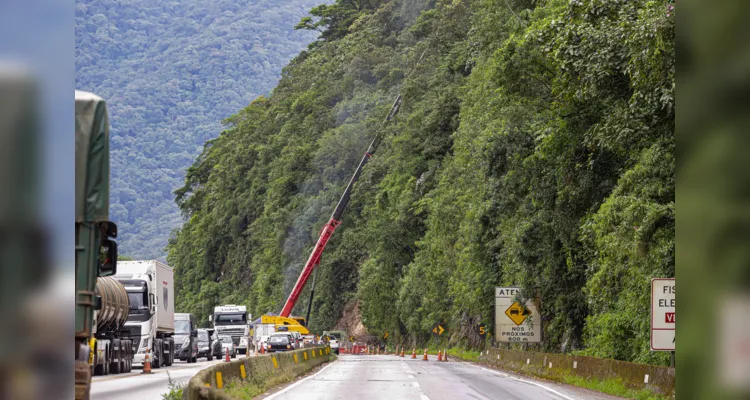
x=147, y=363
x=402, y=352
x=440, y=356
x=425, y=355
x=226, y=357
x=445, y=355
x=262, y=349
x=414, y=353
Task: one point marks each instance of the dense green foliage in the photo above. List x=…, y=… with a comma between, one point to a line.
x=171, y=71
x=534, y=147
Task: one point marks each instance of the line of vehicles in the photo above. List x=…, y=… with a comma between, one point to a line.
x=137, y=315
x=125, y=309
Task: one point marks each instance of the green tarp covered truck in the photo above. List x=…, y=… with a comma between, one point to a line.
x=95, y=252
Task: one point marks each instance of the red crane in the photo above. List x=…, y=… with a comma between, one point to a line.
x=332, y=223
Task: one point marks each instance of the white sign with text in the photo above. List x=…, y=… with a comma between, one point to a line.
x=662, y=314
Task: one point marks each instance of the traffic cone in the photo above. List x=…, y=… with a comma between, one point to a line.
x=147, y=363
x=414, y=353
x=425, y=355
x=440, y=356
x=402, y=352
x=262, y=349
x=226, y=357
x=445, y=355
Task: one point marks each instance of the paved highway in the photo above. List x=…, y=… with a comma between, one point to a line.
x=144, y=387
x=391, y=377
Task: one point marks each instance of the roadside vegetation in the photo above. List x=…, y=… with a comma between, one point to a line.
x=175, y=390
x=535, y=147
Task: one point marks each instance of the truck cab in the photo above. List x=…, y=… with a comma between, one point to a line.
x=232, y=320
x=149, y=285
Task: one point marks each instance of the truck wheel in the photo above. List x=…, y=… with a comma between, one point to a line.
x=114, y=362
x=108, y=356
x=156, y=354
x=129, y=358
x=171, y=351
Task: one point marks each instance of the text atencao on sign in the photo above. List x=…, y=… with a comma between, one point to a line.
x=515, y=322
x=663, y=314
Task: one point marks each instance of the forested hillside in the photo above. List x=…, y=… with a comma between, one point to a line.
x=171, y=71
x=534, y=147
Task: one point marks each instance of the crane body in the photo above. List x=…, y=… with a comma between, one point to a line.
x=334, y=221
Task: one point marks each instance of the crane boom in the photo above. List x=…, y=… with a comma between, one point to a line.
x=335, y=220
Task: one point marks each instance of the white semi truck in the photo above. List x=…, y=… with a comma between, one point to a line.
x=232, y=320
x=150, y=287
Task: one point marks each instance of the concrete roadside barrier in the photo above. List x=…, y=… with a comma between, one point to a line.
x=556, y=367
x=208, y=383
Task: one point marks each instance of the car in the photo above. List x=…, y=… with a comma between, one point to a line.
x=298, y=340
x=216, y=350
x=204, y=344
x=334, y=344
x=281, y=341
x=225, y=343
x=187, y=350
x=308, y=340
x=185, y=334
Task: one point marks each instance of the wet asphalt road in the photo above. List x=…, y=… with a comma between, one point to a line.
x=389, y=377
x=133, y=385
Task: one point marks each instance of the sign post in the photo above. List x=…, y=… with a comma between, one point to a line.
x=663, y=314
x=515, y=322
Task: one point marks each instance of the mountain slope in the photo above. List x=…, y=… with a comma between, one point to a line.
x=171, y=71
x=534, y=147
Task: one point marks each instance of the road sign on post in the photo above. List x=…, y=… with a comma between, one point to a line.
x=662, y=314
x=515, y=322
x=437, y=330
x=482, y=330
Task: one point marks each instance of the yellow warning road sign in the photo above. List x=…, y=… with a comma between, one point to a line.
x=517, y=313
x=385, y=335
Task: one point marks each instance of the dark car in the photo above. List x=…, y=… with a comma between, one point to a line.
x=185, y=335
x=223, y=344
x=280, y=342
x=204, y=344
x=187, y=350
x=216, y=349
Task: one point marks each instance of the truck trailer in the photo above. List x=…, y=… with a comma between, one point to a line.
x=95, y=251
x=150, y=288
x=112, y=346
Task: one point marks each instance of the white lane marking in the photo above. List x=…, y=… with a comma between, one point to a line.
x=412, y=376
x=547, y=388
x=295, y=384
x=415, y=384
x=424, y=397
